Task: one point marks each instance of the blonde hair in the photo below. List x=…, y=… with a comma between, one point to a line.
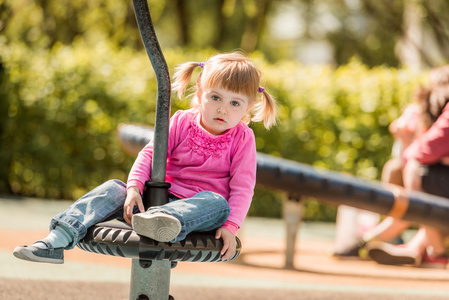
x=234, y=72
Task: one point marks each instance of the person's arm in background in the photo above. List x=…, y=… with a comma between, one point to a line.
x=432, y=146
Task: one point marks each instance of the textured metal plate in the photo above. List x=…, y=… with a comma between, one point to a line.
x=121, y=240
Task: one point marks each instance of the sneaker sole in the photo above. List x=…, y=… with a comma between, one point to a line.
x=162, y=228
x=25, y=254
x=385, y=258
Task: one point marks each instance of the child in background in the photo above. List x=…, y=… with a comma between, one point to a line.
x=425, y=168
x=404, y=129
x=211, y=166
x=423, y=165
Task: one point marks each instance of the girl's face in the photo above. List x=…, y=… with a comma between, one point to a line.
x=221, y=109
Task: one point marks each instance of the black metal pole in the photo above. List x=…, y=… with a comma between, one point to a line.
x=161, y=126
x=150, y=279
x=337, y=188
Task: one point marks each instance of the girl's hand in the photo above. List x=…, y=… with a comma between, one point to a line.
x=133, y=198
x=229, y=243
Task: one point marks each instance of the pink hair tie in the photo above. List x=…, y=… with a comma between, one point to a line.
x=261, y=89
x=201, y=65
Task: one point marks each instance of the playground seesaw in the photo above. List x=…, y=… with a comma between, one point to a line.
x=329, y=186
x=297, y=179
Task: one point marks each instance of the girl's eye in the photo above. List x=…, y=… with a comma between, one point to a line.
x=235, y=103
x=216, y=98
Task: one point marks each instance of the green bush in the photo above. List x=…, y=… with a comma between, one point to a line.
x=59, y=110
x=335, y=119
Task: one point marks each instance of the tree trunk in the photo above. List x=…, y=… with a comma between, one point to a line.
x=254, y=26
x=409, y=51
x=183, y=21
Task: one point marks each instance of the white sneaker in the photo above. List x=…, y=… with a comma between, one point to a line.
x=158, y=226
x=388, y=254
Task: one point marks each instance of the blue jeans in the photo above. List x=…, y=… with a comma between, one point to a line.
x=205, y=211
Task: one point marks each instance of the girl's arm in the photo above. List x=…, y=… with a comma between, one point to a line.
x=141, y=173
x=133, y=198
x=141, y=169
x=243, y=180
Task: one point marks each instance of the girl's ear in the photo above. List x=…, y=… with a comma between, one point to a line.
x=198, y=88
x=198, y=95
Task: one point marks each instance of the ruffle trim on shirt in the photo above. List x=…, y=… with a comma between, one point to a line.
x=205, y=144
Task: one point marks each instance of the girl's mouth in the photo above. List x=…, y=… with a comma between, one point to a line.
x=219, y=120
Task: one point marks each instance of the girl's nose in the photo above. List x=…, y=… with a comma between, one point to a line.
x=221, y=110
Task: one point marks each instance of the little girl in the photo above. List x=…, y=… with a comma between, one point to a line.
x=211, y=166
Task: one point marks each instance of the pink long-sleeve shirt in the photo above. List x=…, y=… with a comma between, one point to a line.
x=432, y=146
x=199, y=161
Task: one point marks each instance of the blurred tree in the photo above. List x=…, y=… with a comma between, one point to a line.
x=224, y=24
x=390, y=32
x=257, y=13
x=425, y=38
x=413, y=33
x=184, y=21
x=43, y=23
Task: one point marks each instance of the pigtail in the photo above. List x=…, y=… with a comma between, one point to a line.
x=265, y=110
x=422, y=96
x=181, y=79
x=432, y=102
x=438, y=99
